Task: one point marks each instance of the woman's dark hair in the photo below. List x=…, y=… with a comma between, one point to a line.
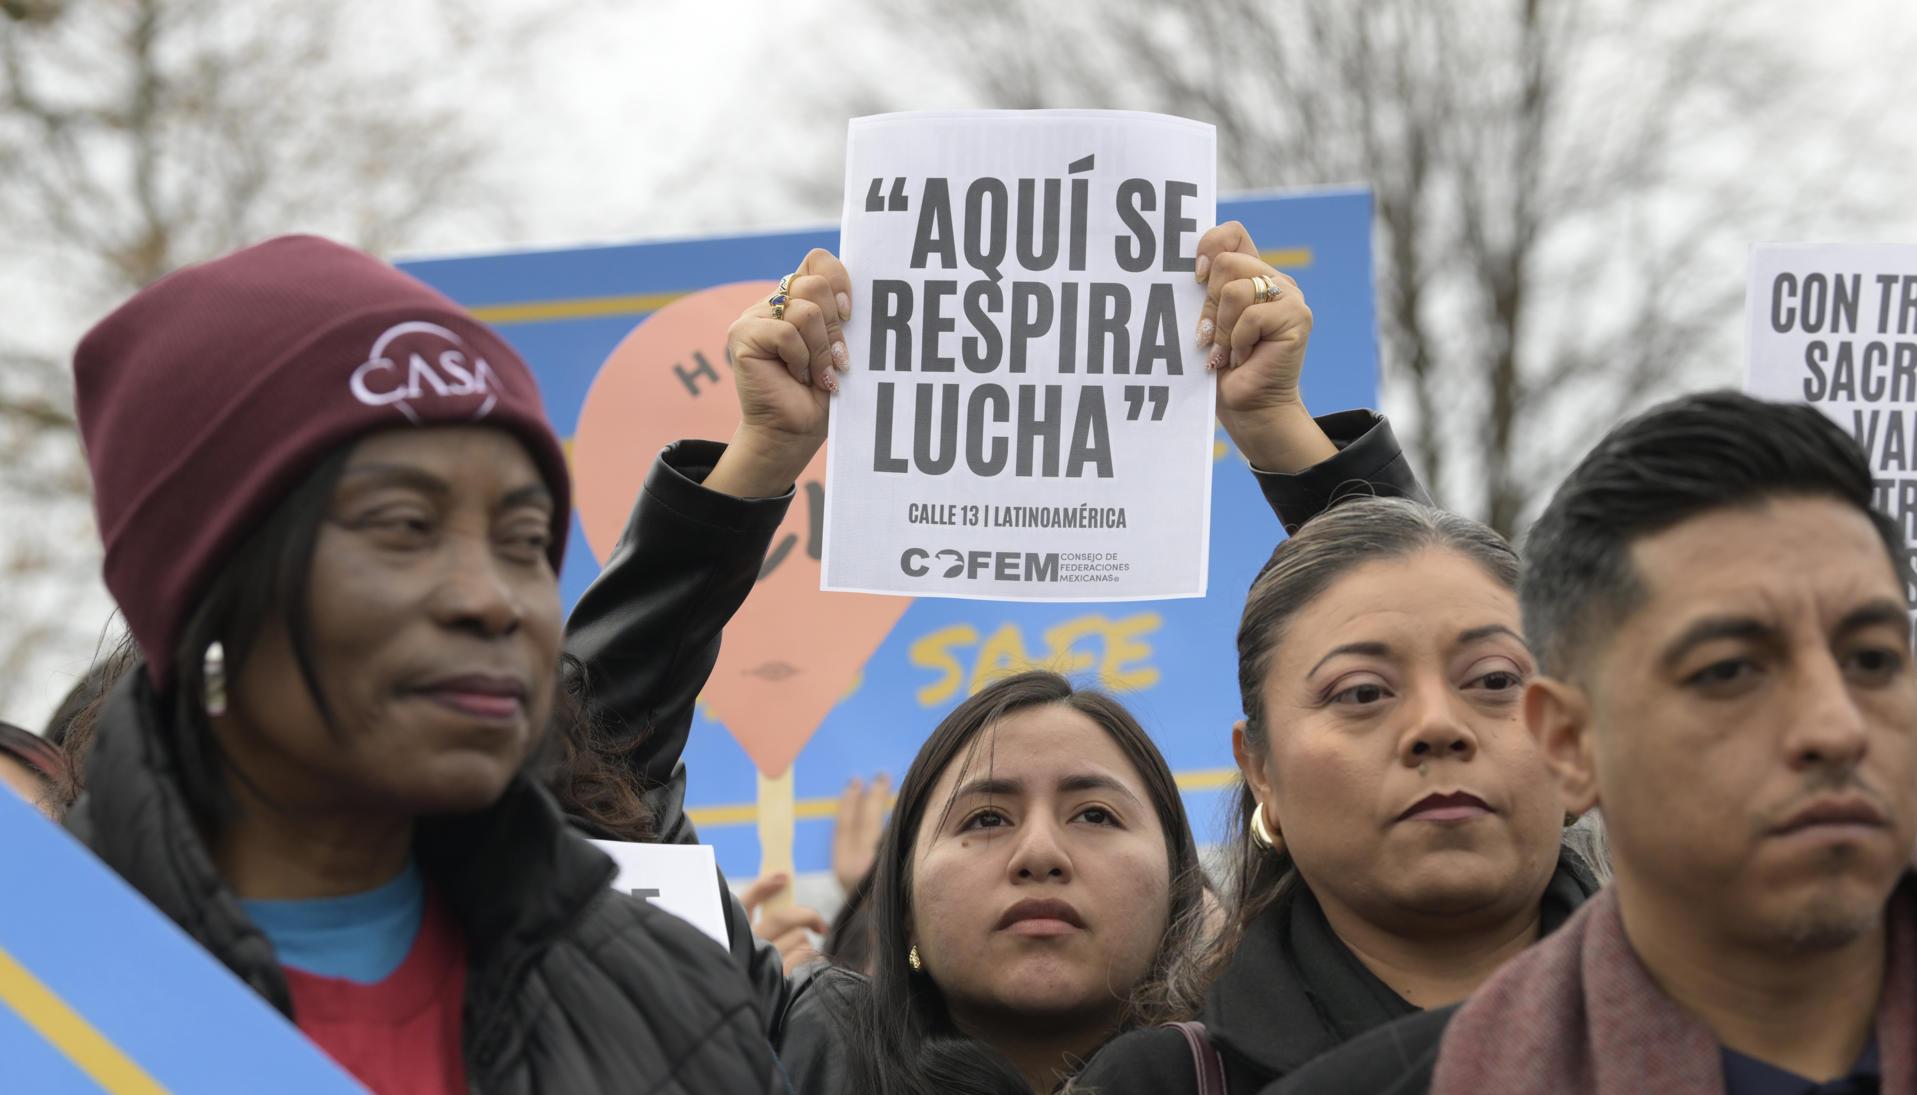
x=270, y=572
x=901, y=1037
x=40, y=757
x=73, y=724
x=848, y=943
x=1329, y=546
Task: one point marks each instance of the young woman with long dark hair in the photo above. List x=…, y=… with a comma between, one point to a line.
x=1033, y=895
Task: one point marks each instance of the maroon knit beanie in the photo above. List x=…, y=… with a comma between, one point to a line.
x=214, y=391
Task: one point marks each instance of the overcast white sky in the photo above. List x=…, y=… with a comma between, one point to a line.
x=620, y=99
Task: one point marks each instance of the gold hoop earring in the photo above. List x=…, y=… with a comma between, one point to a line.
x=1260, y=832
x=912, y=958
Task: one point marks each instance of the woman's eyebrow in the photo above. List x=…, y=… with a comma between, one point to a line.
x=991, y=787
x=1092, y=781
x=534, y=494
x=1490, y=631
x=1369, y=650
x=400, y=475
x=1003, y=787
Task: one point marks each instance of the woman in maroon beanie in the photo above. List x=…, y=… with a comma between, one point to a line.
x=333, y=515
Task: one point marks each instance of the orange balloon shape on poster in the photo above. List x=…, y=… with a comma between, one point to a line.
x=792, y=652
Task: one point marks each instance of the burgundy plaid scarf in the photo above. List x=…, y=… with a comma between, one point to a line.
x=1578, y=1014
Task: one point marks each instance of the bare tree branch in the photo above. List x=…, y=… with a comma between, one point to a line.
x=141, y=135
x=1554, y=234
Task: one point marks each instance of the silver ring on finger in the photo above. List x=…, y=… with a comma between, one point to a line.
x=777, y=300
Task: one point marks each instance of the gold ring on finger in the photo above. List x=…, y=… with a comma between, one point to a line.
x=777, y=300
x=1263, y=291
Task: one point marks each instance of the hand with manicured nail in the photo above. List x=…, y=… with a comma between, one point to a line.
x=1258, y=350
x=787, y=361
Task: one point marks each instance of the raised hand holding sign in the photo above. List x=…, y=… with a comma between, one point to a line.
x=1026, y=417
x=670, y=379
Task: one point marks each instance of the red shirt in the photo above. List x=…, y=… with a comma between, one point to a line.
x=399, y=1036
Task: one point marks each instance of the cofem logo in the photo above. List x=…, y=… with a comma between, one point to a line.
x=1002, y=566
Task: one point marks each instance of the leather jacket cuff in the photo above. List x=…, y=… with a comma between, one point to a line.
x=1369, y=462
x=677, y=481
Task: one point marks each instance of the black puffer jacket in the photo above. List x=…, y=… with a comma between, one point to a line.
x=571, y=987
x=648, y=631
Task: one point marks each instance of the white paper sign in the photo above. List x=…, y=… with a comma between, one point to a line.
x=682, y=879
x=1835, y=325
x=1028, y=415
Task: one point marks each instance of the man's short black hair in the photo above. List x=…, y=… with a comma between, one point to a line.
x=1673, y=462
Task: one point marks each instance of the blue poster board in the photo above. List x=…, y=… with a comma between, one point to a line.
x=1173, y=662
x=101, y=992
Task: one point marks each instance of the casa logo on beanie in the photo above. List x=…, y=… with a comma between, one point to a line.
x=413, y=361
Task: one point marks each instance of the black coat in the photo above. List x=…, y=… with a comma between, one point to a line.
x=570, y=986
x=1292, y=992
x=816, y=1036
x=1396, y=1059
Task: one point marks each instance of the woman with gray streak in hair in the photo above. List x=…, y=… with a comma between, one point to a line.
x=1398, y=833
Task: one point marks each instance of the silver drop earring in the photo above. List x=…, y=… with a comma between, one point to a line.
x=214, y=670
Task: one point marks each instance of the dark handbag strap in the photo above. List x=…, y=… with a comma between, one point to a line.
x=1209, y=1066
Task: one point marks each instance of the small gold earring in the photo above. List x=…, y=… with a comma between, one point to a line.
x=912, y=957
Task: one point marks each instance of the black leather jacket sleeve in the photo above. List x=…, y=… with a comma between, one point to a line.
x=648, y=628
x=1369, y=462
x=648, y=631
